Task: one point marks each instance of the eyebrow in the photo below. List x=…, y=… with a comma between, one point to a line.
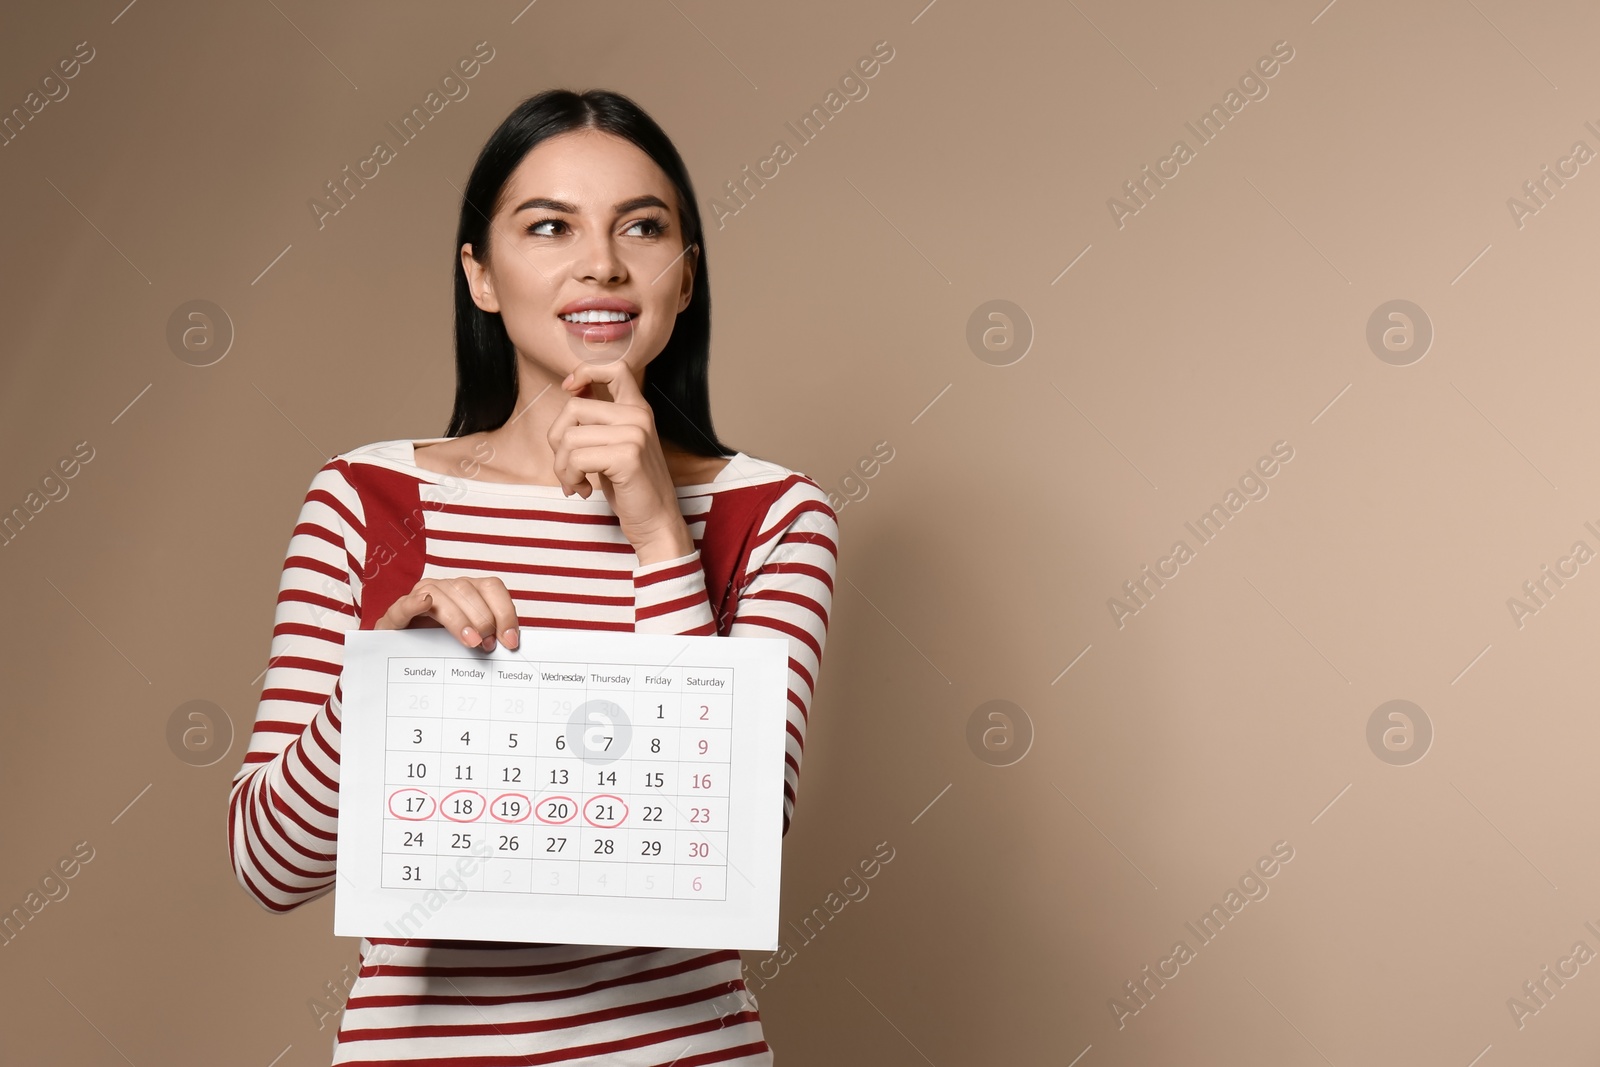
x=621, y=207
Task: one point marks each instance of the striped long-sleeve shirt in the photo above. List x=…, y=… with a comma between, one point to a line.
x=373, y=523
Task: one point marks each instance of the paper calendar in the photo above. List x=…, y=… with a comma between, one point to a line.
x=586, y=788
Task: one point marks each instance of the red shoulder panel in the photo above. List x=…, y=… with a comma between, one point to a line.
x=396, y=541
x=732, y=527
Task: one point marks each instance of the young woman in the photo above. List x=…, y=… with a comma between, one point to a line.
x=580, y=486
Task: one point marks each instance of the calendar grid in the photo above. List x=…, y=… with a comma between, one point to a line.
x=573, y=779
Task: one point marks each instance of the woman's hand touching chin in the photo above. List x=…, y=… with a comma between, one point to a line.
x=616, y=439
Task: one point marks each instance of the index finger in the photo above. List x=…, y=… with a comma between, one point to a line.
x=617, y=376
x=506, y=623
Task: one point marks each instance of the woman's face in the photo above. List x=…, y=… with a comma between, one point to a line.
x=586, y=216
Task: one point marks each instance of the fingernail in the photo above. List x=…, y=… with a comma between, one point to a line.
x=488, y=643
x=469, y=635
x=510, y=639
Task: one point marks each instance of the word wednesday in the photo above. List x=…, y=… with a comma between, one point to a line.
x=1212, y=923
x=1211, y=522
x=1212, y=123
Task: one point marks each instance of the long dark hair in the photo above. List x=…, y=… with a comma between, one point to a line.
x=675, y=381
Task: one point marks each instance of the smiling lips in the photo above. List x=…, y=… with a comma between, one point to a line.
x=598, y=319
x=599, y=326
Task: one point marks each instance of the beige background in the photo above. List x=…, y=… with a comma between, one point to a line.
x=1229, y=314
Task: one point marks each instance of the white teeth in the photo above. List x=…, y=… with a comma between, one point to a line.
x=598, y=316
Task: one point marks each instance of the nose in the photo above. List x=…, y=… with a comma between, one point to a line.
x=597, y=257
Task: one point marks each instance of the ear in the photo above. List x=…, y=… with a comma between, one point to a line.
x=478, y=281
x=691, y=263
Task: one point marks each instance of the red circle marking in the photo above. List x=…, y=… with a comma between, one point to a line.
x=458, y=792
x=525, y=807
x=398, y=793
x=603, y=825
x=558, y=822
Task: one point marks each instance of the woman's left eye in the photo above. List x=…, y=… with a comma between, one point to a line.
x=655, y=224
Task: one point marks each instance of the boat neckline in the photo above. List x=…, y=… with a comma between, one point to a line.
x=535, y=489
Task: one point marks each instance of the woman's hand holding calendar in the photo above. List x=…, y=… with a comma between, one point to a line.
x=616, y=439
x=474, y=609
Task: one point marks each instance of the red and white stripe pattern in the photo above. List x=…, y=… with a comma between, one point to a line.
x=373, y=523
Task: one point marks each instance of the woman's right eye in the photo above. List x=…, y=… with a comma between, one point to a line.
x=532, y=228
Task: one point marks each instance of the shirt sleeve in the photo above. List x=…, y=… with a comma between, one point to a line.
x=786, y=591
x=283, y=809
